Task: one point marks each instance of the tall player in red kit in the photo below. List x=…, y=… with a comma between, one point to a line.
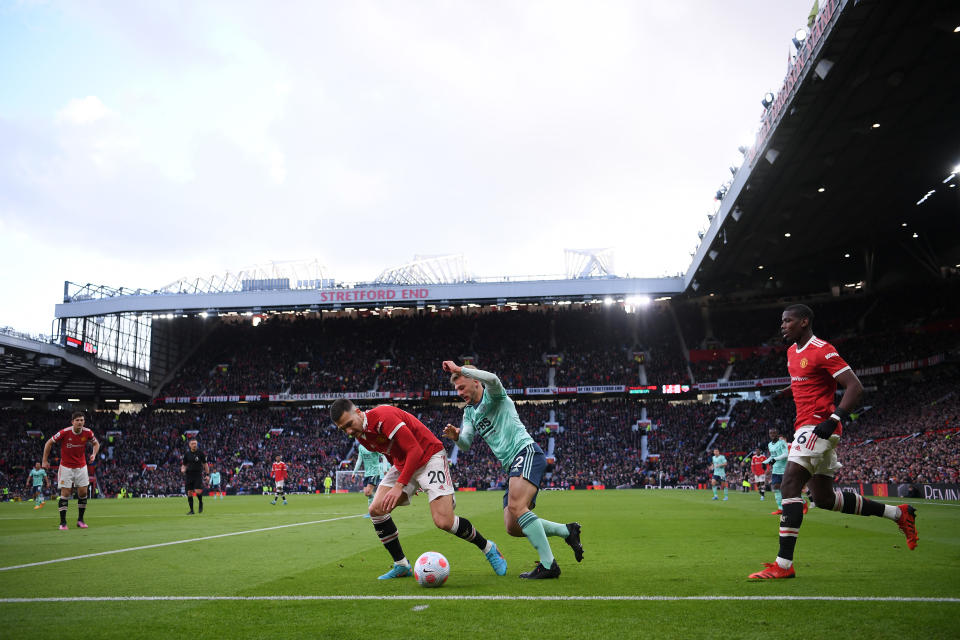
x=815, y=371
x=279, y=474
x=73, y=465
x=419, y=464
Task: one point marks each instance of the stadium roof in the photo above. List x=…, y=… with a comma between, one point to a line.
x=283, y=296
x=852, y=177
x=42, y=371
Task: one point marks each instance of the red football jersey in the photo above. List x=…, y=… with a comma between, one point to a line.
x=279, y=471
x=73, y=446
x=814, y=368
x=756, y=465
x=406, y=442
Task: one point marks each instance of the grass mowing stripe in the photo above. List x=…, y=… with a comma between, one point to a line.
x=167, y=544
x=482, y=597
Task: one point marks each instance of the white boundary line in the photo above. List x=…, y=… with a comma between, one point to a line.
x=167, y=544
x=381, y=598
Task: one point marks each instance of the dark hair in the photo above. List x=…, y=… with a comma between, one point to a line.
x=339, y=407
x=801, y=311
x=77, y=414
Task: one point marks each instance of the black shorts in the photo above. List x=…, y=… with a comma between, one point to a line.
x=528, y=464
x=194, y=482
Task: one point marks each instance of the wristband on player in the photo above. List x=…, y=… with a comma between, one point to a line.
x=840, y=415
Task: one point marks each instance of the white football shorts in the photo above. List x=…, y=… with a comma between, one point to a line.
x=68, y=478
x=433, y=478
x=816, y=455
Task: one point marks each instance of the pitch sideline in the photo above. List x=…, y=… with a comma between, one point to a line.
x=380, y=598
x=167, y=544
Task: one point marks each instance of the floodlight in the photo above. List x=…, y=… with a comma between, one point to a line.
x=799, y=38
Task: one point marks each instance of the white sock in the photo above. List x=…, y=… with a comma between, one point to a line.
x=783, y=563
x=403, y=562
x=892, y=512
x=489, y=547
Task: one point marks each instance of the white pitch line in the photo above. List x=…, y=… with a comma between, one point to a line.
x=138, y=516
x=381, y=598
x=167, y=544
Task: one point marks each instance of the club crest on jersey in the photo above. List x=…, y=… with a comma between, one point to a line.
x=803, y=363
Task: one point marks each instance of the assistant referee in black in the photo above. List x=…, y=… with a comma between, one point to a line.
x=194, y=467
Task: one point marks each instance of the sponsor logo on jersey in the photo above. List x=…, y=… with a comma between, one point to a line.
x=484, y=427
x=832, y=354
x=798, y=378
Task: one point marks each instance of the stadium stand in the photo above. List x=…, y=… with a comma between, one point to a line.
x=906, y=433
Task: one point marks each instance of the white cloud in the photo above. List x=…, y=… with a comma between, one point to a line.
x=83, y=111
x=506, y=132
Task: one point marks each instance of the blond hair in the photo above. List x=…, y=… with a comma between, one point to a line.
x=456, y=376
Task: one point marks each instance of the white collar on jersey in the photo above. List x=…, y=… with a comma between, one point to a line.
x=812, y=338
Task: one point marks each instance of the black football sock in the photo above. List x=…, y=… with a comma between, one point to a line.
x=462, y=528
x=790, y=523
x=190, y=501
x=62, y=507
x=387, y=532
x=82, y=504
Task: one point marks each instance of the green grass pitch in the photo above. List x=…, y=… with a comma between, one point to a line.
x=671, y=544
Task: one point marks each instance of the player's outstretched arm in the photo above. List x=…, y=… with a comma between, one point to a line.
x=489, y=380
x=46, y=454
x=782, y=393
x=451, y=432
x=451, y=367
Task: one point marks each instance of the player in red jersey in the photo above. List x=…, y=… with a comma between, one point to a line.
x=419, y=464
x=758, y=471
x=73, y=465
x=815, y=371
x=279, y=475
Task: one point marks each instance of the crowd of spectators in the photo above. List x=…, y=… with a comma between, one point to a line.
x=142, y=451
x=902, y=433
x=540, y=345
x=868, y=330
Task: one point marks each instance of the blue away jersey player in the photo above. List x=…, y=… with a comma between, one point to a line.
x=491, y=413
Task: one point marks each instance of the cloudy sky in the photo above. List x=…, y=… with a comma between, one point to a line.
x=143, y=141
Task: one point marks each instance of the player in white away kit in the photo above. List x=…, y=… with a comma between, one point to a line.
x=73, y=465
x=815, y=371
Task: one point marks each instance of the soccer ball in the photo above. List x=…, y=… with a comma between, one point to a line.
x=431, y=569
